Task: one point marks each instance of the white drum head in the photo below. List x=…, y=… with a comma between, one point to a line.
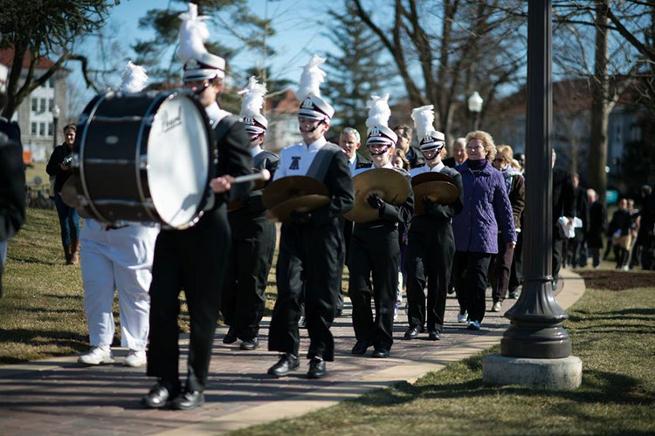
x=178, y=161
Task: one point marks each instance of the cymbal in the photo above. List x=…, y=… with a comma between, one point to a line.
x=389, y=184
x=437, y=191
x=294, y=193
x=302, y=203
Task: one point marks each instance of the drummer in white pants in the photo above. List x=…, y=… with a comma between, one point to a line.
x=117, y=257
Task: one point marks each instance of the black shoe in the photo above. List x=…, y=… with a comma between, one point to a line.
x=411, y=333
x=513, y=295
x=249, y=344
x=286, y=363
x=317, y=368
x=360, y=347
x=160, y=395
x=380, y=353
x=230, y=337
x=434, y=335
x=188, y=400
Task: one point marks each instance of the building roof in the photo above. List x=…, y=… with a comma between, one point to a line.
x=7, y=57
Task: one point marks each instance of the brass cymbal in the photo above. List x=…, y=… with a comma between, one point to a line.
x=388, y=183
x=301, y=203
x=294, y=193
x=437, y=191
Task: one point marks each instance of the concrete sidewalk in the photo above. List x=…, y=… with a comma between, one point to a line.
x=59, y=396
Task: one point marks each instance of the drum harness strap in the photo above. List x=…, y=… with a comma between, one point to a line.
x=220, y=132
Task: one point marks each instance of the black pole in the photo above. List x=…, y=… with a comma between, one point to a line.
x=536, y=319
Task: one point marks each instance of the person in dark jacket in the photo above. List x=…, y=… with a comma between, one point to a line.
x=412, y=155
x=643, y=249
x=619, y=230
x=12, y=194
x=563, y=207
x=577, y=246
x=459, y=153
x=60, y=166
x=596, y=228
x=486, y=212
x=253, y=236
x=501, y=263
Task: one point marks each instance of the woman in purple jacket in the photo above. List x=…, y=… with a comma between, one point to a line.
x=486, y=211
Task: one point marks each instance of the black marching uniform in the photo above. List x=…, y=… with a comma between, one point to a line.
x=253, y=244
x=375, y=252
x=195, y=259
x=430, y=253
x=310, y=257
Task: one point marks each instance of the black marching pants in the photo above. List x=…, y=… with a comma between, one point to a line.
x=374, y=252
x=193, y=260
x=249, y=262
x=471, y=282
x=308, y=265
x=429, y=259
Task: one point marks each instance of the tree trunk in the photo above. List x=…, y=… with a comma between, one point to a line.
x=600, y=104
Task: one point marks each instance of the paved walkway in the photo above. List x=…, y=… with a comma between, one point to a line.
x=59, y=396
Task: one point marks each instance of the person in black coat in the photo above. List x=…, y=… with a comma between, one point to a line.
x=620, y=230
x=195, y=259
x=253, y=236
x=60, y=166
x=577, y=245
x=412, y=154
x=596, y=227
x=643, y=249
x=563, y=206
x=12, y=194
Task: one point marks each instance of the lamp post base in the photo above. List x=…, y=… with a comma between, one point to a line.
x=550, y=374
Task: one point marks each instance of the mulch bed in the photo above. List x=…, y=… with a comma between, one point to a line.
x=618, y=280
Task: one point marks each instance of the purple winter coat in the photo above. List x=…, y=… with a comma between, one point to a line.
x=486, y=205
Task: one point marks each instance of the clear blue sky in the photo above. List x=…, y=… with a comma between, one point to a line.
x=299, y=32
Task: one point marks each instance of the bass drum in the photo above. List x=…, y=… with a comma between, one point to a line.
x=144, y=157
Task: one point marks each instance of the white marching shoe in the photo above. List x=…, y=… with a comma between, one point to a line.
x=136, y=358
x=97, y=356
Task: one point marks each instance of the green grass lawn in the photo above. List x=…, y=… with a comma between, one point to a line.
x=612, y=332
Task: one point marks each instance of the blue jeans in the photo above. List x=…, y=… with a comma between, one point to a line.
x=69, y=221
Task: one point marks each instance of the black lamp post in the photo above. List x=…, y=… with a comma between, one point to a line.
x=474, y=103
x=536, y=319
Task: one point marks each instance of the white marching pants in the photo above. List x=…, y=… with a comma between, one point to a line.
x=117, y=259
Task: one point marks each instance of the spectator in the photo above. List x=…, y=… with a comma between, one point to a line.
x=459, y=153
x=486, y=210
x=404, y=133
x=577, y=245
x=12, y=191
x=646, y=226
x=596, y=227
x=502, y=262
x=60, y=166
x=620, y=232
x=563, y=207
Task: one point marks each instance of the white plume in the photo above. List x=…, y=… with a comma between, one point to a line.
x=378, y=111
x=311, y=78
x=193, y=34
x=253, y=98
x=423, y=120
x=134, y=78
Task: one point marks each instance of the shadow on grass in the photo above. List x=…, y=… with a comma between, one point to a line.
x=59, y=338
x=33, y=259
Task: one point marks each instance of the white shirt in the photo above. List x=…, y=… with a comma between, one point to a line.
x=426, y=169
x=215, y=114
x=353, y=163
x=296, y=159
x=372, y=167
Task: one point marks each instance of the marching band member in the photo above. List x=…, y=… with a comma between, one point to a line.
x=195, y=259
x=375, y=249
x=253, y=236
x=431, y=244
x=311, y=246
x=118, y=256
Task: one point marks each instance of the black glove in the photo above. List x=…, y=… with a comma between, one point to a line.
x=297, y=217
x=375, y=201
x=435, y=209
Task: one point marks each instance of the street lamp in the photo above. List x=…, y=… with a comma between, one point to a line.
x=55, y=119
x=475, y=107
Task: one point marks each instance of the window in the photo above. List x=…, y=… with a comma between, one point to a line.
x=35, y=104
x=42, y=105
x=33, y=129
x=51, y=105
x=50, y=83
x=42, y=128
x=50, y=129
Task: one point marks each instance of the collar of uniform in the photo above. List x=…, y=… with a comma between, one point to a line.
x=215, y=113
x=254, y=151
x=437, y=168
x=318, y=144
